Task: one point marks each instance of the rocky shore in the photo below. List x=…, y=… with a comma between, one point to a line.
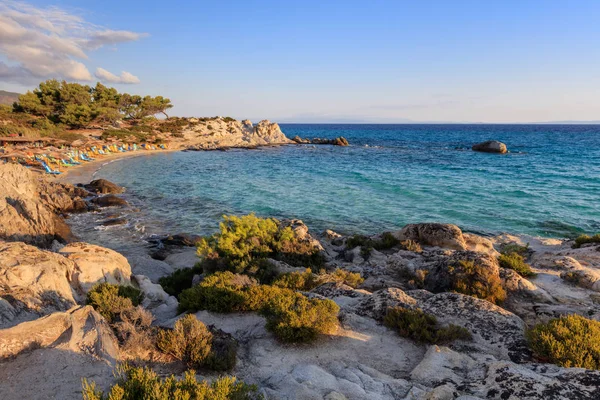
x=49, y=338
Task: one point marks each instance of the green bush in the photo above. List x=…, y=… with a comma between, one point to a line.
x=411, y=245
x=223, y=352
x=307, y=280
x=172, y=125
x=179, y=280
x=190, y=341
x=421, y=327
x=243, y=244
x=468, y=277
x=515, y=248
x=291, y=316
x=125, y=135
x=297, y=319
x=143, y=383
x=516, y=262
x=219, y=292
x=110, y=300
x=584, y=239
x=303, y=281
x=570, y=341
x=367, y=244
x=352, y=279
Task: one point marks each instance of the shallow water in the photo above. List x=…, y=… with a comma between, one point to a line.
x=391, y=175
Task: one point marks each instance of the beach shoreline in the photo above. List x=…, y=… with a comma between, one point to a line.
x=86, y=172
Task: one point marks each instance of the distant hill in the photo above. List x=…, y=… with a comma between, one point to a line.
x=8, y=97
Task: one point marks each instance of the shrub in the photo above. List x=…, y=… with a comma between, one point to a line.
x=190, y=341
x=515, y=248
x=570, y=341
x=295, y=318
x=179, y=280
x=584, y=239
x=223, y=354
x=220, y=292
x=229, y=119
x=259, y=297
x=243, y=244
x=352, y=279
x=468, y=277
x=516, y=262
x=305, y=281
x=143, y=383
x=297, y=280
x=125, y=135
x=110, y=300
x=421, y=327
x=367, y=244
x=135, y=333
x=411, y=245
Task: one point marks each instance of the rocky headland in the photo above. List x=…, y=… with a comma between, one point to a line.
x=51, y=337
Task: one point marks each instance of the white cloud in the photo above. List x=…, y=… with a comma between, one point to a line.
x=42, y=43
x=107, y=76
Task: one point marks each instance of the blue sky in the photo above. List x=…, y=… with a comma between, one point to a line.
x=374, y=61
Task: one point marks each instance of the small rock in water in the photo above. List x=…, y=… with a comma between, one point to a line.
x=491, y=146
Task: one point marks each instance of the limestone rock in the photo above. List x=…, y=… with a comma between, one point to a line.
x=491, y=146
x=33, y=282
x=439, y=277
x=480, y=244
x=269, y=132
x=434, y=234
x=86, y=347
x=495, y=331
x=376, y=305
x=156, y=300
x=24, y=216
x=96, y=264
x=63, y=197
x=153, y=269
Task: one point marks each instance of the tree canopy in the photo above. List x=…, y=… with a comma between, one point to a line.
x=79, y=106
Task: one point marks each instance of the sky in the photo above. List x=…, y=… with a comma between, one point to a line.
x=320, y=61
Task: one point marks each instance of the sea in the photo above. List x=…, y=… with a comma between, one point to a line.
x=391, y=175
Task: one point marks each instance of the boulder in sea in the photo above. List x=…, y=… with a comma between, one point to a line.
x=102, y=186
x=491, y=146
x=110, y=200
x=182, y=239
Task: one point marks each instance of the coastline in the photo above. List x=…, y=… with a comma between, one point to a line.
x=85, y=173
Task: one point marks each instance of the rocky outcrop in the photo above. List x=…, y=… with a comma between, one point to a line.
x=102, y=186
x=24, y=215
x=223, y=133
x=33, y=282
x=63, y=197
x=495, y=331
x=49, y=356
x=36, y=282
x=491, y=146
x=86, y=329
x=109, y=200
x=432, y=234
x=338, y=141
x=96, y=264
x=480, y=376
x=269, y=133
x=377, y=304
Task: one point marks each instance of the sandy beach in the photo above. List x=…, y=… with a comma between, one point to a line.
x=86, y=172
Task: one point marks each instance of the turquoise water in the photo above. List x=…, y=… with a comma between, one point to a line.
x=391, y=175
